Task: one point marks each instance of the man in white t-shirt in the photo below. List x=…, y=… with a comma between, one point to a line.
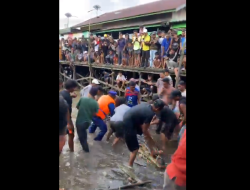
x=120, y=79
x=182, y=88
x=116, y=121
x=85, y=91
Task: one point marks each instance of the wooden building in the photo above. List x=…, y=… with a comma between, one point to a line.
x=158, y=15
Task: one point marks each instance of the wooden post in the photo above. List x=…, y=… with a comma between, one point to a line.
x=112, y=80
x=133, y=74
x=74, y=72
x=180, y=64
x=139, y=79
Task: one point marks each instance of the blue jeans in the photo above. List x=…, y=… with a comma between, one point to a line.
x=152, y=56
x=98, y=122
x=120, y=57
x=82, y=134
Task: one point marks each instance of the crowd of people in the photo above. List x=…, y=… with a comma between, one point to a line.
x=129, y=117
x=158, y=50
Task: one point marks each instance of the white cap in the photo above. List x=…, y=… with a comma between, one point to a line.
x=85, y=52
x=145, y=30
x=95, y=81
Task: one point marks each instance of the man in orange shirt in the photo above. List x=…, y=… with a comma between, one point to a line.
x=106, y=107
x=175, y=174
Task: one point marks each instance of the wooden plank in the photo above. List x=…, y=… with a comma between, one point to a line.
x=70, y=78
x=119, y=68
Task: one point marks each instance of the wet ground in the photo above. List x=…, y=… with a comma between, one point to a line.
x=98, y=169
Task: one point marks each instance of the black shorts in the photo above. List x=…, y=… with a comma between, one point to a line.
x=131, y=131
x=168, y=129
x=117, y=128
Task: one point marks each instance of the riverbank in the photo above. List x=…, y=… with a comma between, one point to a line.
x=93, y=170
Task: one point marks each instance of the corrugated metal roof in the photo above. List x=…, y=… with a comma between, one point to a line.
x=149, y=8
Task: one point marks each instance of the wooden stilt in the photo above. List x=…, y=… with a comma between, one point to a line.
x=74, y=72
x=139, y=79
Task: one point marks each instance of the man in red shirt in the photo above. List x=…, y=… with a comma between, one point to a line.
x=175, y=174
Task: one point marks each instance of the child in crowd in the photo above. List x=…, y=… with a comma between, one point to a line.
x=167, y=75
x=124, y=59
x=97, y=57
x=109, y=58
x=115, y=59
x=102, y=57
x=79, y=56
x=157, y=60
x=130, y=54
x=85, y=56
x=148, y=88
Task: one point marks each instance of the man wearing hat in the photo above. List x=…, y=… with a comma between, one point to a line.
x=137, y=121
x=85, y=91
x=106, y=107
x=145, y=48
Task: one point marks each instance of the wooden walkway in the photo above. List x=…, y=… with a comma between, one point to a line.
x=120, y=68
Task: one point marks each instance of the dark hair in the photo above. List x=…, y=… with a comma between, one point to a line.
x=159, y=104
x=119, y=101
x=166, y=80
x=155, y=97
x=174, y=32
x=69, y=84
x=120, y=72
x=63, y=109
x=150, y=75
x=100, y=88
x=60, y=80
x=182, y=83
x=157, y=53
x=132, y=83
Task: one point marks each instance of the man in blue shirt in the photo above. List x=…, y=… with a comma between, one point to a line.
x=165, y=45
x=183, y=39
x=132, y=95
x=121, y=45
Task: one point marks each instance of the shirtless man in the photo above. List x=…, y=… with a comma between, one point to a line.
x=166, y=91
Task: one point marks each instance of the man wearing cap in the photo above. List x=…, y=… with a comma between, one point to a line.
x=132, y=95
x=145, y=48
x=85, y=91
x=137, y=121
x=106, y=107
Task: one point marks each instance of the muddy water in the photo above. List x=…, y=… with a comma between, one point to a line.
x=98, y=170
